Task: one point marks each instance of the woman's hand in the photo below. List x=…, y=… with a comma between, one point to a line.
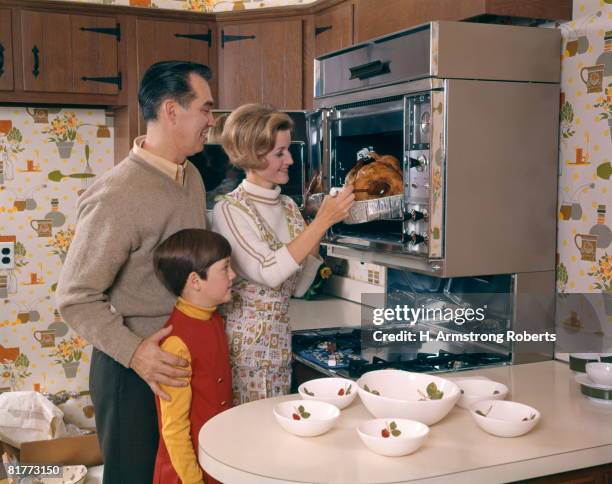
x=336, y=208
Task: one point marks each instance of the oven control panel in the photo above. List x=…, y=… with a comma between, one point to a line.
x=417, y=161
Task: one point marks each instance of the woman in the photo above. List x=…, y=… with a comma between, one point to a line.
x=274, y=253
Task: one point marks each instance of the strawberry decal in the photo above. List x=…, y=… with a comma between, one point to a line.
x=300, y=413
x=432, y=393
x=373, y=392
x=310, y=394
x=390, y=430
x=345, y=391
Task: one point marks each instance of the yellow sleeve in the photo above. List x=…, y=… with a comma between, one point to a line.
x=175, y=423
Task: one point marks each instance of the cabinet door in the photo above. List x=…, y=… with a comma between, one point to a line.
x=333, y=29
x=94, y=48
x=69, y=53
x=160, y=40
x=261, y=62
x=46, y=51
x=6, y=51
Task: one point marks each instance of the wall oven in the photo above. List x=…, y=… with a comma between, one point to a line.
x=470, y=111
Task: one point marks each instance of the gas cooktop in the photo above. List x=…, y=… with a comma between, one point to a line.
x=339, y=351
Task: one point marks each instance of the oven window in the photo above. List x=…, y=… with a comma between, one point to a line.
x=383, y=133
x=380, y=132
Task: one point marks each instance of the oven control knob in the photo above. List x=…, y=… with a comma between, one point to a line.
x=419, y=163
x=415, y=215
x=416, y=239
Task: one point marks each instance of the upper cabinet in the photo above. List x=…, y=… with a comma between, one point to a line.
x=261, y=62
x=6, y=51
x=333, y=29
x=65, y=53
x=161, y=40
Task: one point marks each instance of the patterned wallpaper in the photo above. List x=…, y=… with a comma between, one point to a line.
x=585, y=205
x=47, y=158
x=202, y=5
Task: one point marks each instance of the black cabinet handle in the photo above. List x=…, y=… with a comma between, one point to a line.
x=1, y=59
x=371, y=69
x=36, y=69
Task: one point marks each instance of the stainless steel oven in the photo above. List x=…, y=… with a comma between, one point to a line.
x=471, y=112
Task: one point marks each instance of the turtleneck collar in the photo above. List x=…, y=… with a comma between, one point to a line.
x=193, y=310
x=260, y=194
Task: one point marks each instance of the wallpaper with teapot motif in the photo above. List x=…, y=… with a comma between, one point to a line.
x=48, y=157
x=584, y=260
x=202, y=5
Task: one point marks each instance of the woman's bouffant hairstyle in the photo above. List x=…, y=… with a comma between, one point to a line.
x=250, y=133
x=187, y=251
x=215, y=133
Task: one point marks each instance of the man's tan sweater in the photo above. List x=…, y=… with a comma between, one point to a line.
x=108, y=291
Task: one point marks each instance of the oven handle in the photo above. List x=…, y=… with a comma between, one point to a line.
x=371, y=69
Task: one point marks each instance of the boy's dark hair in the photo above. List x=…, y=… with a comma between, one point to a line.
x=168, y=79
x=187, y=251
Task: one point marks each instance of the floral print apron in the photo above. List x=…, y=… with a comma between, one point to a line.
x=257, y=320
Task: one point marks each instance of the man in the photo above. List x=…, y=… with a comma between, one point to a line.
x=108, y=291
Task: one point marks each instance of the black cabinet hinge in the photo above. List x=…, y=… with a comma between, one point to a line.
x=106, y=80
x=203, y=37
x=116, y=32
x=320, y=30
x=233, y=38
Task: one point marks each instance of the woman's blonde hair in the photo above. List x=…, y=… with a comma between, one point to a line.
x=215, y=133
x=250, y=134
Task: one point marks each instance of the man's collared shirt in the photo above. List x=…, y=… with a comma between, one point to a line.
x=173, y=170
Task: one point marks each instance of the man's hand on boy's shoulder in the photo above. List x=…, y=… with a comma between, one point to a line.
x=158, y=367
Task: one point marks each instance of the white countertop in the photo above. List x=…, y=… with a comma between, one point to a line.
x=246, y=445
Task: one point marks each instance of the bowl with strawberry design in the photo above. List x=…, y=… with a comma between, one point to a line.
x=504, y=418
x=338, y=391
x=306, y=418
x=404, y=394
x=393, y=437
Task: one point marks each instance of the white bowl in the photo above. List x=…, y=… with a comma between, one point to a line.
x=473, y=391
x=402, y=436
x=403, y=394
x=600, y=373
x=504, y=418
x=315, y=418
x=338, y=391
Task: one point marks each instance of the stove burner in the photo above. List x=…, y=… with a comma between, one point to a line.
x=345, y=345
x=428, y=362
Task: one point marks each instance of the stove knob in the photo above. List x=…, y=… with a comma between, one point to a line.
x=415, y=215
x=419, y=163
x=416, y=239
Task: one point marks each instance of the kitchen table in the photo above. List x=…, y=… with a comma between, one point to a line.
x=246, y=445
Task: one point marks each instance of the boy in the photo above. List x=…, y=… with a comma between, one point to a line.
x=193, y=264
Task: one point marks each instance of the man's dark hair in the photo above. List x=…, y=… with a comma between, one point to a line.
x=168, y=79
x=187, y=251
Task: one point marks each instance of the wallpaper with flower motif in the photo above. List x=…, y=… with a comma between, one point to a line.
x=48, y=157
x=584, y=262
x=201, y=5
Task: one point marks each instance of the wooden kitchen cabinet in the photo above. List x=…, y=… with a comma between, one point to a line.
x=374, y=18
x=6, y=51
x=160, y=40
x=261, y=62
x=63, y=53
x=333, y=29
x=326, y=30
